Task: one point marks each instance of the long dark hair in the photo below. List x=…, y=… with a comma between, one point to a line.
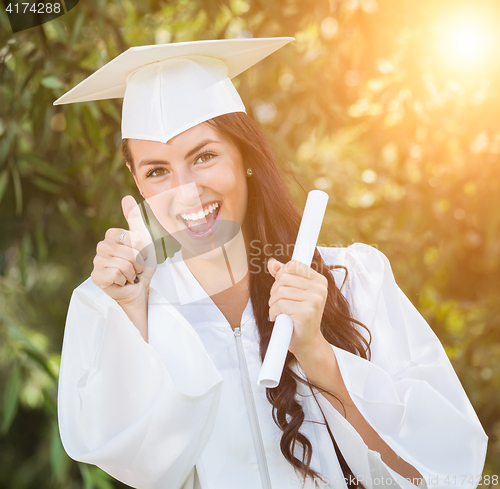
x=273, y=223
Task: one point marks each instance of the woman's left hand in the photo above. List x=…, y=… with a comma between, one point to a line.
x=300, y=292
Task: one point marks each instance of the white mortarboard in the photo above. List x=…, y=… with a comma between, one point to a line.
x=169, y=88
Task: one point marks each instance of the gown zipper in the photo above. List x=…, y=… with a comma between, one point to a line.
x=252, y=413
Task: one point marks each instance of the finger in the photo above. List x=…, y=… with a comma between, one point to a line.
x=108, y=248
x=284, y=306
x=124, y=266
x=132, y=213
x=274, y=266
x=129, y=241
x=124, y=237
x=296, y=267
x=292, y=294
x=289, y=280
x=106, y=277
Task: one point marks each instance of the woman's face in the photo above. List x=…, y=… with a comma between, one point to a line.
x=193, y=183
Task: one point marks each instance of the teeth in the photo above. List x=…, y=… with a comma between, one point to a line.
x=201, y=214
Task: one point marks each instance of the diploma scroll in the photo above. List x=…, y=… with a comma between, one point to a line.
x=307, y=238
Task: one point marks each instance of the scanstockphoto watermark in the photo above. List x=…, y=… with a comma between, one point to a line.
x=259, y=254
x=464, y=480
x=25, y=15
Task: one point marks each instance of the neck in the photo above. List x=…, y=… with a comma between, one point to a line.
x=222, y=269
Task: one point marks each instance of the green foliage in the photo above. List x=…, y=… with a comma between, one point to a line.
x=365, y=104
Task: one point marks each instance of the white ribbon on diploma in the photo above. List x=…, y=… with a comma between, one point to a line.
x=307, y=238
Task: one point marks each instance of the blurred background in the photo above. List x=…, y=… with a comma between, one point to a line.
x=391, y=106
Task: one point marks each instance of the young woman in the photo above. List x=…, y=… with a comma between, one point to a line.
x=160, y=361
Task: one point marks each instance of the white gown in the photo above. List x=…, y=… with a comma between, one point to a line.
x=172, y=414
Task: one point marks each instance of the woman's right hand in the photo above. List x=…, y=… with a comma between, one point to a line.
x=116, y=265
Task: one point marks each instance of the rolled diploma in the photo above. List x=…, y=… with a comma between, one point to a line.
x=307, y=238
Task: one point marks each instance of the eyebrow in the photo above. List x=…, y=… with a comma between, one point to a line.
x=155, y=161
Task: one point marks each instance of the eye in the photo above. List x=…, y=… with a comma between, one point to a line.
x=158, y=171
x=203, y=157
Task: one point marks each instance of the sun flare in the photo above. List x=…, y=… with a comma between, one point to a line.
x=468, y=41
x=465, y=41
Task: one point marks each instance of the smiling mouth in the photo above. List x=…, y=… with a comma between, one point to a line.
x=198, y=223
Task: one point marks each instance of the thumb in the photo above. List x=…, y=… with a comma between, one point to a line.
x=141, y=239
x=132, y=213
x=274, y=266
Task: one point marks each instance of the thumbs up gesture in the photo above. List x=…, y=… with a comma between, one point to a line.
x=125, y=260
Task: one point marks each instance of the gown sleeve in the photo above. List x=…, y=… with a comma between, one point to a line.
x=408, y=392
x=141, y=417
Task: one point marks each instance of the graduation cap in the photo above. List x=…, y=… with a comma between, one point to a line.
x=169, y=88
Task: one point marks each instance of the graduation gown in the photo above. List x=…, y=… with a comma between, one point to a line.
x=185, y=411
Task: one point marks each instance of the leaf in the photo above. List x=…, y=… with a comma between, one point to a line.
x=11, y=398
x=41, y=243
x=94, y=477
x=4, y=178
x=43, y=167
x=5, y=144
x=46, y=185
x=58, y=458
x=18, y=190
x=93, y=129
x=86, y=476
x=72, y=219
x=40, y=359
x=51, y=82
x=60, y=29
x=111, y=109
x=101, y=479
x=77, y=27
x=49, y=402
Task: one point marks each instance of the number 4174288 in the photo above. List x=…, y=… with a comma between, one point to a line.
x=28, y=7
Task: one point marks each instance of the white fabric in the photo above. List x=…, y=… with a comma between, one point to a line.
x=171, y=414
x=168, y=97
x=169, y=88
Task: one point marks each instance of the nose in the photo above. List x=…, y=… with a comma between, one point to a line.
x=187, y=191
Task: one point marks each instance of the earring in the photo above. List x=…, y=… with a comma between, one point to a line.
x=143, y=196
x=249, y=172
